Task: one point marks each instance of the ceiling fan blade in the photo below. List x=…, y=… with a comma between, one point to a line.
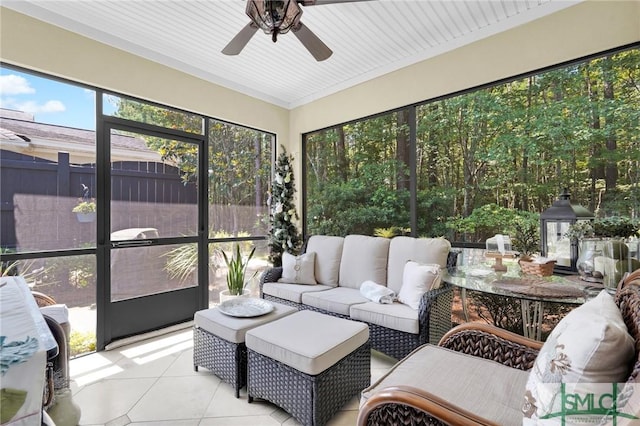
x=241, y=39
x=314, y=45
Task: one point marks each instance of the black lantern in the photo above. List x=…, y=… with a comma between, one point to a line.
x=554, y=223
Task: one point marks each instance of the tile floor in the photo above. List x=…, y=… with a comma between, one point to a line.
x=152, y=382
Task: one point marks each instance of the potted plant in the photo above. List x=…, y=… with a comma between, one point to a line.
x=526, y=239
x=85, y=211
x=237, y=267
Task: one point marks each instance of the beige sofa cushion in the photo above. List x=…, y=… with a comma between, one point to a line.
x=363, y=258
x=289, y=341
x=421, y=250
x=328, y=250
x=480, y=386
x=233, y=329
x=291, y=292
x=396, y=316
x=338, y=300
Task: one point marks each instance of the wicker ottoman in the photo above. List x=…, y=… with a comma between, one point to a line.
x=218, y=342
x=309, y=364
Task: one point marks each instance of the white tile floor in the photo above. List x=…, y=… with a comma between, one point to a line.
x=152, y=382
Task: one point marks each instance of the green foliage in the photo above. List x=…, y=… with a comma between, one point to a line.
x=85, y=207
x=77, y=271
x=391, y=232
x=239, y=158
x=612, y=226
x=240, y=162
x=182, y=261
x=81, y=343
x=434, y=208
x=283, y=232
x=486, y=221
x=525, y=237
x=615, y=226
x=350, y=208
x=510, y=146
x=237, y=266
x=8, y=268
x=360, y=204
x=579, y=230
x=183, y=155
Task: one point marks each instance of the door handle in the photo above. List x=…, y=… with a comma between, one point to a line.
x=132, y=243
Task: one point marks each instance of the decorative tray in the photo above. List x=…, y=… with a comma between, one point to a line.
x=245, y=307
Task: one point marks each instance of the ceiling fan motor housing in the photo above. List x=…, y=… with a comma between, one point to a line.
x=274, y=16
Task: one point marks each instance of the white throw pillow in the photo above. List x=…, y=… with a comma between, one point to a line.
x=421, y=250
x=417, y=279
x=298, y=269
x=589, y=346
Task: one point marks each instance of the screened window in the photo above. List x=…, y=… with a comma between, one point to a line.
x=483, y=155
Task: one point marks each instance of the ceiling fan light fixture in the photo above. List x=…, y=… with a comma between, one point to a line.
x=274, y=16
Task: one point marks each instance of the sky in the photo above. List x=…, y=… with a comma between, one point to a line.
x=50, y=101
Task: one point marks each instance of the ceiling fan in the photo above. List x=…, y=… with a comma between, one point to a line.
x=277, y=17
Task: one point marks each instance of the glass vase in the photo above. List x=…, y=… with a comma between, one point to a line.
x=589, y=267
x=618, y=261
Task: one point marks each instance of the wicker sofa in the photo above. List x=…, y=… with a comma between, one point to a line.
x=341, y=265
x=494, y=375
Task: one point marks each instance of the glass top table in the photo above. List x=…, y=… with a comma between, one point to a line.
x=532, y=291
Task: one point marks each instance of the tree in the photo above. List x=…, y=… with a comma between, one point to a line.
x=283, y=232
x=239, y=162
x=514, y=144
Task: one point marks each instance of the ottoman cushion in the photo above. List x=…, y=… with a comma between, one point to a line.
x=233, y=329
x=308, y=341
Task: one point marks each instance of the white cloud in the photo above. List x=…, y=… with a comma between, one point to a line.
x=32, y=106
x=53, y=106
x=15, y=85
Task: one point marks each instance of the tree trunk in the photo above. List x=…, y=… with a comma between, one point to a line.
x=597, y=169
x=257, y=145
x=402, y=150
x=341, y=154
x=611, y=167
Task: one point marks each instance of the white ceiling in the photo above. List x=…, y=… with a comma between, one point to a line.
x=368, y=38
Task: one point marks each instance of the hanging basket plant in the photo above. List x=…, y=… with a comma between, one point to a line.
x=85, y=211
x=283, y=232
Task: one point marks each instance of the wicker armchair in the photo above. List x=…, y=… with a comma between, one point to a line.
x=400, y=405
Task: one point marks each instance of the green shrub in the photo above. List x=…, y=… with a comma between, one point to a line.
x=81, y=343
x=486, y=221
x=615, y=226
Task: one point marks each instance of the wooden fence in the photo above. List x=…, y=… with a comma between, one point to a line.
x=38, y=195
